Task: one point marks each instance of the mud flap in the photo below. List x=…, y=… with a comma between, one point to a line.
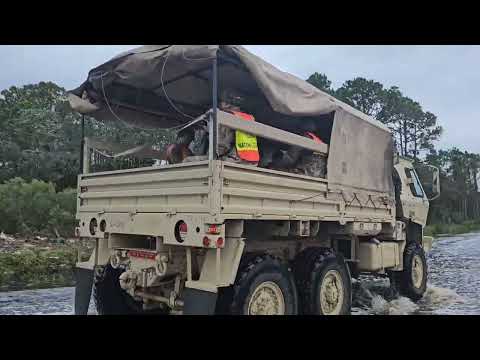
x=349, y=272
x=83, y=290
x=199, y=302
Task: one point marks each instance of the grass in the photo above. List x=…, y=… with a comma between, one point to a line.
x=452, y=229
x=36, y=268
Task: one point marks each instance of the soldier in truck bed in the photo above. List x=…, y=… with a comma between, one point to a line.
x=179, y=151
x=293, y=158
x=235, y=145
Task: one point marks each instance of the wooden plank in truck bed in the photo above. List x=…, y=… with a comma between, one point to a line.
x=270, y=132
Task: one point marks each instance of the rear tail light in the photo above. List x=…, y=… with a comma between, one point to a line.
x=93, y=226
x=220, y=242
x=181, y=231
x=183, y=227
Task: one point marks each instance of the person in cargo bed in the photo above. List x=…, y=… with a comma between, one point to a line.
x=239, y=147
x=235, y=145
x=293, y=158
x=178, y=152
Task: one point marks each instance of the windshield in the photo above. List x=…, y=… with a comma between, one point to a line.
x=415, y=186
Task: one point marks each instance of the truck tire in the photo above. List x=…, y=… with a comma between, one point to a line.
x=412, y=281
x=110, y=298
x=107, y=293
x=323, y=281
x=263, y=286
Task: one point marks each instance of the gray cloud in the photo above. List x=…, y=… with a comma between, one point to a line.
x=444, y=79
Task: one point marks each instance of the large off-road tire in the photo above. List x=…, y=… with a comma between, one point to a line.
x=107, y=293
x=323, y=282
x=412, y=281
x=110, y=298
x=263, y=286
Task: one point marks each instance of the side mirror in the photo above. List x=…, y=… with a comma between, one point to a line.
x=429, y=176
x=435, y=182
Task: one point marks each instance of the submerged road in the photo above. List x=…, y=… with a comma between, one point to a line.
x=454, y=288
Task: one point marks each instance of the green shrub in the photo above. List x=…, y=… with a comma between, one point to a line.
x=37, y=268
x=451, y=229
x=35, y=207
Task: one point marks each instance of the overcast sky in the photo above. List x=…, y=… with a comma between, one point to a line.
x=443, y=79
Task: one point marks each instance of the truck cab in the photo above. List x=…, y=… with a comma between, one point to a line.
x=413, y=201
x=411, y=197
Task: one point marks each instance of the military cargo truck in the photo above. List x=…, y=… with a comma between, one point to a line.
x=212, y=236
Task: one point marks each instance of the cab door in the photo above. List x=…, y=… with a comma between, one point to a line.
x=414, y=202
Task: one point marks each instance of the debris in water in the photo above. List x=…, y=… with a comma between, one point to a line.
x=6, y=238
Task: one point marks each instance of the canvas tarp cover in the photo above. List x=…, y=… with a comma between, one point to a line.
x=132, y=86
x=132, y=82
x=360, y=156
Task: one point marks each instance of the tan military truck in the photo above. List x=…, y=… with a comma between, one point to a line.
x=212, y=236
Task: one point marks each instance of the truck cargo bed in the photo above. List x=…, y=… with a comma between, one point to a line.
x=229, y=190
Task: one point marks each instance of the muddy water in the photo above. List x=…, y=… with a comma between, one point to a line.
x=453, y=283
x=454, y=288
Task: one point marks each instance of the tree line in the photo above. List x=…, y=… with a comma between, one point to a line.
x=415, y=132
x=40, y=135
x=40, y=139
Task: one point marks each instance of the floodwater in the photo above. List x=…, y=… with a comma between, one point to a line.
x=454, y=288
x=453, y=283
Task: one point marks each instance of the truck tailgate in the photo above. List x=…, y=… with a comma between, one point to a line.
x=182, y=188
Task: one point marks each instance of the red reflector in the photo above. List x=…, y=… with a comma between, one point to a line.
x=213, y=229
x=220, y=242
x=206, y=241
x=142, y=254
